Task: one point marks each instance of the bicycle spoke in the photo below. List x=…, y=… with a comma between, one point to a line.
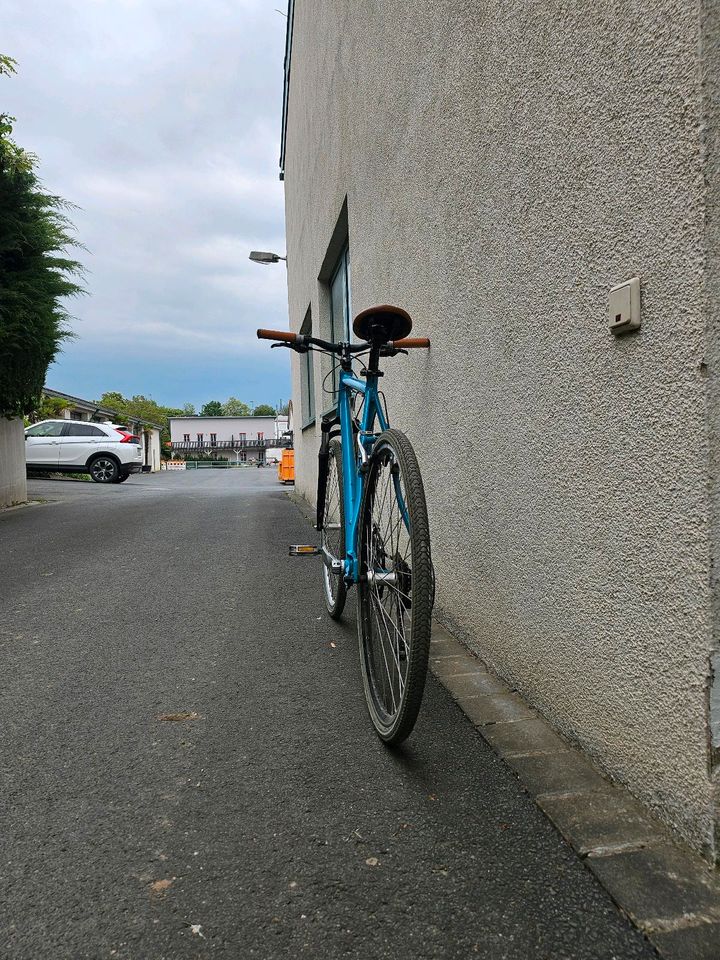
x=387, y=666
x=392, y=647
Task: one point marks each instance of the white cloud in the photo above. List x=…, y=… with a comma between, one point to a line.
x=162, y=122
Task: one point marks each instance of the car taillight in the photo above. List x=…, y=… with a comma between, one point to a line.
x=129, y=438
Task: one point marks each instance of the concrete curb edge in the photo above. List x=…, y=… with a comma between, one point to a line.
x=664, y=888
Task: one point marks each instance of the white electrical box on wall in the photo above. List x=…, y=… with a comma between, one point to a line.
x=624, y=307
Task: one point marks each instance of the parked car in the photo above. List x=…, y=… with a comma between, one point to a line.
x=107, y=452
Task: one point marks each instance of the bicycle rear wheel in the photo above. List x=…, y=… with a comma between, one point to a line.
x=333, y=531
x=395, y=592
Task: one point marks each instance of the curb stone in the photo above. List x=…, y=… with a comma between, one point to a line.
x=664, y=888
x=35, y=502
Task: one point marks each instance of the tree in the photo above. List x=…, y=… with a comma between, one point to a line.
x=49, y=408
x=235, y=408
x=188, y=409
x=36, y=274
x=213, y=408
x=145, y=408
x=264, y=410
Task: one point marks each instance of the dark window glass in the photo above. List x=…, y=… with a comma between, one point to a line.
x=340, y=299
x=83, y=430
x=340, y=307
x=307, y=375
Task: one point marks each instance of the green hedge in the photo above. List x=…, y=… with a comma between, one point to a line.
x=36, y=276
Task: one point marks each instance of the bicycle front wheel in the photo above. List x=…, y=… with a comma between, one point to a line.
x=395, y=592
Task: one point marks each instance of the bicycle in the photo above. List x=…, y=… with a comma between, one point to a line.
x=373, y=520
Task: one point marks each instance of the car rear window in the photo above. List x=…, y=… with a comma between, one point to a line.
x=83, y=430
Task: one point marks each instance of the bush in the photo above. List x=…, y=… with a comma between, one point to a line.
x=36, y=274
x=204, y=458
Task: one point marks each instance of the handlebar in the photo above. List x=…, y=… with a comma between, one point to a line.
x=283, y=335
x=409, y=342
x=300, y=340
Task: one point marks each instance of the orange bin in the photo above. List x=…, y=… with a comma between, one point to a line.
x=286, y=467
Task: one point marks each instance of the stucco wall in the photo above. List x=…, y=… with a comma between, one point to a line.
x=504, y=165
x=711, y=88
x=13, y=485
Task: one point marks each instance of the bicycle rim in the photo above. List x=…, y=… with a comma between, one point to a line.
x=395, y=591
x=333, y=532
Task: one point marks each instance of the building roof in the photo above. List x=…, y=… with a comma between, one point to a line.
x=286, y=84
x=97, y=408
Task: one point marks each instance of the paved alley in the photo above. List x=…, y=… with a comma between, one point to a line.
x=266, y=819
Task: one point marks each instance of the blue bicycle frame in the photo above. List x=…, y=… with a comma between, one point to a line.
x=353, y=478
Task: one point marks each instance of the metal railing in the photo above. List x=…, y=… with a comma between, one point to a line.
x=232, y=444
x=220, y=464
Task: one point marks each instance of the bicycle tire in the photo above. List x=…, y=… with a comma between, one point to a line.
x=333, y=531
x=384, y=550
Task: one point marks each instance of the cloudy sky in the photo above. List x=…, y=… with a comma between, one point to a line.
x=161, y=120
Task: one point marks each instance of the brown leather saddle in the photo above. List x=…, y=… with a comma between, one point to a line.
x=382, y=324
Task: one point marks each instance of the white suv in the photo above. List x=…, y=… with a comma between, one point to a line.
x=108, y=453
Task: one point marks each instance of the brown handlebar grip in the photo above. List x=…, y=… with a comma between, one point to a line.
x=283, y=335
x=411, y=342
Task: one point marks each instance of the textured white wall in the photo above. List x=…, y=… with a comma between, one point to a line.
x=13, y=485
x=505, y=164
x=710, y=66
x=155, y=450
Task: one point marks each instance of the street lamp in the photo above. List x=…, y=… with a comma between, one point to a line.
x=262, y=256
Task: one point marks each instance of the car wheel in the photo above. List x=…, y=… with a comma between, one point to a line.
x=104, y=470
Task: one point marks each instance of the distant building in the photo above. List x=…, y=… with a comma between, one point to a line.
x=239, y=438
x=77, y=409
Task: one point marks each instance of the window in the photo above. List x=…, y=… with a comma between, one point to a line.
x=213, y=438
x=200, y=438
x=83, y=430
x=340, y=302
x=186, y=437
x=242, y=438
x=340, y=307
x=51, y=429
x=261, y=436
x=307, y=376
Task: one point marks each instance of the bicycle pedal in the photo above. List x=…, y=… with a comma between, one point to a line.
x=304, y=550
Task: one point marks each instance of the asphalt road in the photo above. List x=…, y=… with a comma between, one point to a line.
x=272, y=822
